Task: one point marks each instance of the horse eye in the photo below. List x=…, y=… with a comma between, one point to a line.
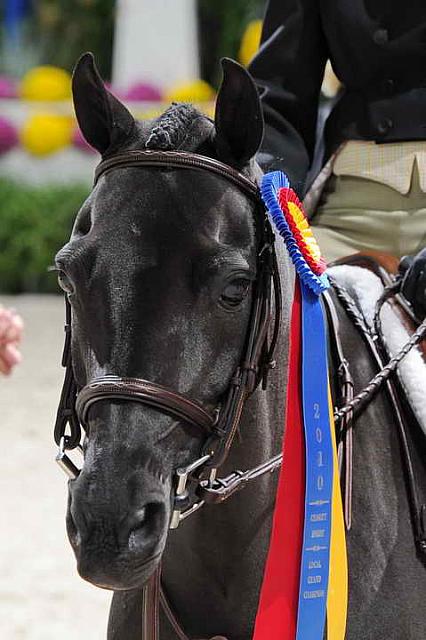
x=83, y=223
x=234, y=293
x=65, y=282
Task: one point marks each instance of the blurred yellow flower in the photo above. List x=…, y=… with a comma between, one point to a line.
x=250, y=41
x=46, y=83
x=149, y=114
x=45, y=133
x=195, y=91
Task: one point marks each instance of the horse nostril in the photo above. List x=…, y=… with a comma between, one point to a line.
x=141, y=516
x=145, y=523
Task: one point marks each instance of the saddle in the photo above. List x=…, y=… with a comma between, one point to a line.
x=385, y=267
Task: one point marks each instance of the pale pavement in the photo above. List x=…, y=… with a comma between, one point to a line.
x=41, y=595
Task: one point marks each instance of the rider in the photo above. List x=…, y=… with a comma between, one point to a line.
x=11, y=327
x=375, y=137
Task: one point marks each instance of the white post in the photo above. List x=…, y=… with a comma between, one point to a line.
x=156, y=42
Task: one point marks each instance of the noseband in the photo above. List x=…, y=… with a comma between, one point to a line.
x=220, y=423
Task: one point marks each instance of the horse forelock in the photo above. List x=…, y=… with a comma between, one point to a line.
x=180, y=126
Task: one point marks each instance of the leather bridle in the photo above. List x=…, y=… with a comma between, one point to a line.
x=221, y=424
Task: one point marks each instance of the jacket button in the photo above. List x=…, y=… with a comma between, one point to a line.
x=384, y=126
x=380, y=36
x=388, y=86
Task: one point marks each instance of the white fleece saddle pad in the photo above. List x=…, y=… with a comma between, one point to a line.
x=365, y=288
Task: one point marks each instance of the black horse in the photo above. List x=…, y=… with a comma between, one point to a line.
x=159, y=271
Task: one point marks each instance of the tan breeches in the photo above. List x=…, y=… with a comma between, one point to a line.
x=356, y=214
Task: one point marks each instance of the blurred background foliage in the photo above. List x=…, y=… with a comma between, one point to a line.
x=35, y=223
x=221, y=26
x=69, y=27
x=58, y=31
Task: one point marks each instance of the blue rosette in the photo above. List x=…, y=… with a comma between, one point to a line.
x=271, y=184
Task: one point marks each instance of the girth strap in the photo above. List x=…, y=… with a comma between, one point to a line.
x=112, y=387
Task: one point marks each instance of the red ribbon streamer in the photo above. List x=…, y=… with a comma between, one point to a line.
x=276, y=617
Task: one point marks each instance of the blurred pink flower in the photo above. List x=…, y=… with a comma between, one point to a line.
x=8, y=135
x=8, y=87
x=11, y=329
x=143, y=91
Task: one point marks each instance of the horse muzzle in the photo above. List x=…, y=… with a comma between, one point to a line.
x=117, y=546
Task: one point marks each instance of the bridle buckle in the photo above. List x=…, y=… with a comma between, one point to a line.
x=65, y=462
x=181, y=499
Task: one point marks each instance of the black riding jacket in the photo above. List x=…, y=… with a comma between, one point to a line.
x=378, y=51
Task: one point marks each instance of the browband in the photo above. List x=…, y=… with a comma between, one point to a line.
x=177, y=159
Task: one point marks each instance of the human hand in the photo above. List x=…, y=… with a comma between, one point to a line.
x=413, y=270
x=11, y=328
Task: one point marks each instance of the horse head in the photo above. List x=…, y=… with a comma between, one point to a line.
x=159, y=271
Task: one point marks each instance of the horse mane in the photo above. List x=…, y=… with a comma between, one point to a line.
x=172, y=127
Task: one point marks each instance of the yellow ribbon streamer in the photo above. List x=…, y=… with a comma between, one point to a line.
x=337, y=599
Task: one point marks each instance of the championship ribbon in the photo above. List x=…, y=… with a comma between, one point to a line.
x=304, y=590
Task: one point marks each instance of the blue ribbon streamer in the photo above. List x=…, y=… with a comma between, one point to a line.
x=315, y=560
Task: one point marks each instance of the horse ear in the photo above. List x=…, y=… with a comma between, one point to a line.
x=104, y=121
x=238, y=117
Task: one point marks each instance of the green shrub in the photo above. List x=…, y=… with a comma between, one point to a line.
x=34, y=223
x=221, y=25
